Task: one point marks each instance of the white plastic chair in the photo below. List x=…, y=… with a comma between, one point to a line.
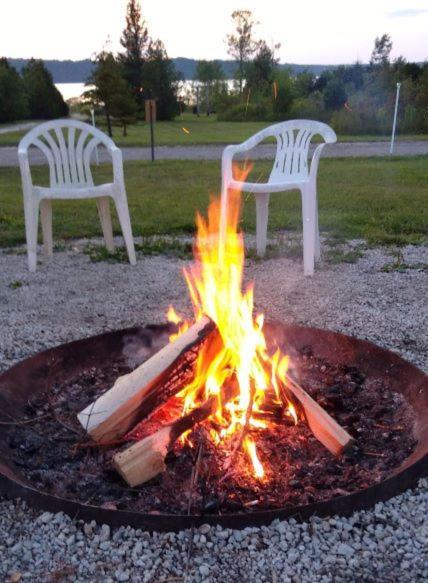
x=290, y=171
x=68, y=146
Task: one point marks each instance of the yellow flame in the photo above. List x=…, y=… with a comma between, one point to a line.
x=250, y=448
x=185, y=130
x=175, y=318
x=239, y=356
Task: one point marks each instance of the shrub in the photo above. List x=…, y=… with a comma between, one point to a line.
x=260, y=111
x=311, y=107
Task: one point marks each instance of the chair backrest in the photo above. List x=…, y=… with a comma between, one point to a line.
x=67, y=145
x=293, y=139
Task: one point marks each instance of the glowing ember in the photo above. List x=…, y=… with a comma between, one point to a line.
x=240, y=357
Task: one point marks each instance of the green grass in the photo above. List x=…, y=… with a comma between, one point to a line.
x=382, y=200
x=202, y=130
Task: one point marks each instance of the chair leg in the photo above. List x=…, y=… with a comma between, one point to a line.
x=125, y=223
x=317, y=233
x=262, y=213
x=46, y=220
x=103, y=205
x=309, y=217
x=31, y=213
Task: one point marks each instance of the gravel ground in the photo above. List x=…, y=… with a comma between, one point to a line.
x=71, y=297
x=9, y=156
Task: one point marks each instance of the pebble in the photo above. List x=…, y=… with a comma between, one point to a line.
x=384, y=543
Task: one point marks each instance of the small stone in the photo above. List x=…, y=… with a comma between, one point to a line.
x=345, y=550
x=205, y=529
x=104, y=532
x=46, y=517
x=204, y=570
x=121, y=575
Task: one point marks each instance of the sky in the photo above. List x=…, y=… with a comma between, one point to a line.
x=310, y=31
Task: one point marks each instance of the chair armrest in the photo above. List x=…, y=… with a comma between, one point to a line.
x=315, y=161
x=24, y=166
x=117, y=160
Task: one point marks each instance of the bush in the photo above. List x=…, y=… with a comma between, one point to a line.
x=242, y=112
x=354, y=122
x=311, y=107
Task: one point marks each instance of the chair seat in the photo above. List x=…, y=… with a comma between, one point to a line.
x=70, y=191
x=263, y=187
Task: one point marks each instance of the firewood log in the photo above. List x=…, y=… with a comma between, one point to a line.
x=135, y=395
x=146, y=458
x=322, y=425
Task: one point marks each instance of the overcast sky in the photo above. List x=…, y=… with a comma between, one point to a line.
x=310, y=31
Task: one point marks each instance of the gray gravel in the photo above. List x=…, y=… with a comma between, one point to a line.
x=70, y=297
x=9, y=157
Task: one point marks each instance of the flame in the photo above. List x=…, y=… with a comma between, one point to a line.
x=239, y=357
x=185, y=130
x=250, y=448
x=174, y=318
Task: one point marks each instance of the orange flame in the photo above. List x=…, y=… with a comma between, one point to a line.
x=215, y=282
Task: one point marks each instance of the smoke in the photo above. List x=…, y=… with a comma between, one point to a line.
x=146, y=342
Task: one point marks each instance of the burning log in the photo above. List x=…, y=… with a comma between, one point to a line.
x=322, y=425
x=146, y=459
x=135, y=395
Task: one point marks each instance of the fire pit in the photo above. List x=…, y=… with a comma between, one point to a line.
x=226, y=419
x=29, y=380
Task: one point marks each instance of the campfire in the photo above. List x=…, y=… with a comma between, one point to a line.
x=220, y=382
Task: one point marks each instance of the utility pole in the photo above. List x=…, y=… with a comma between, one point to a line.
x=395, y=118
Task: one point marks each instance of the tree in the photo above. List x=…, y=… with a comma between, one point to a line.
x=13, y=99
x=381, y=51
x=44, y=99
x=111, y=91
x=135, y=40
x=261, y=71
x=211, y=75
x=241, y=44
x=334, y=94
x=304, y=84
x=161, y=81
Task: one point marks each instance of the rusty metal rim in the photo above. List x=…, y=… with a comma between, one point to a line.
x=402, y=479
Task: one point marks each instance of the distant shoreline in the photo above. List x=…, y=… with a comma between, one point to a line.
x=68, y=71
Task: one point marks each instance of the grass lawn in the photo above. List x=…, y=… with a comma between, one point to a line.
x=202, y=130
x=382, y=200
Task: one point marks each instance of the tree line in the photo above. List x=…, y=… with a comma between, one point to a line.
x=354, y=99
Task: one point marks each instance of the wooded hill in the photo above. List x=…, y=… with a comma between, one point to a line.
x=79, y=71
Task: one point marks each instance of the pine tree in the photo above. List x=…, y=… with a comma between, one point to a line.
x=135, y=40
x=111, y=91
x=381, y=51
x=161, y=81
x=13, y=99
x=44, y=99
